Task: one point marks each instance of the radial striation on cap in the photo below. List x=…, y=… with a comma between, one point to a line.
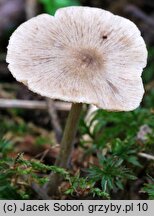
x=81, y=55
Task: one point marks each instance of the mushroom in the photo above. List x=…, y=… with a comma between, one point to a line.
x=81, y=55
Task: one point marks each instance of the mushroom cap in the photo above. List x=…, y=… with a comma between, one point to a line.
x=81, y=55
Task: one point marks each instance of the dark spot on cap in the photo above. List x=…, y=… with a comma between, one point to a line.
x=104, y=37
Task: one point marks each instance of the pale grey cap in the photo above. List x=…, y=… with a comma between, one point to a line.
x=81, y=55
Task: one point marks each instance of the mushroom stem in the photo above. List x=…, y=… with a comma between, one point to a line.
x=66, y=147
x=68, y=135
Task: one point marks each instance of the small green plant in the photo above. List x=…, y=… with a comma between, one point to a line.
x=7, y=189
x=149, y=188
x=83, y=186
x=126, y=150
x=106, y=126
x=18, y=174
x=110, y=173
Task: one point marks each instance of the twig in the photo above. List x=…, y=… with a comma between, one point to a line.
x=147, y=156
x=42, y=154
x=54, y=119
x=27, y=104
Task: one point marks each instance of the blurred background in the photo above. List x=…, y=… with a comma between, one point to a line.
x=32, y=125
